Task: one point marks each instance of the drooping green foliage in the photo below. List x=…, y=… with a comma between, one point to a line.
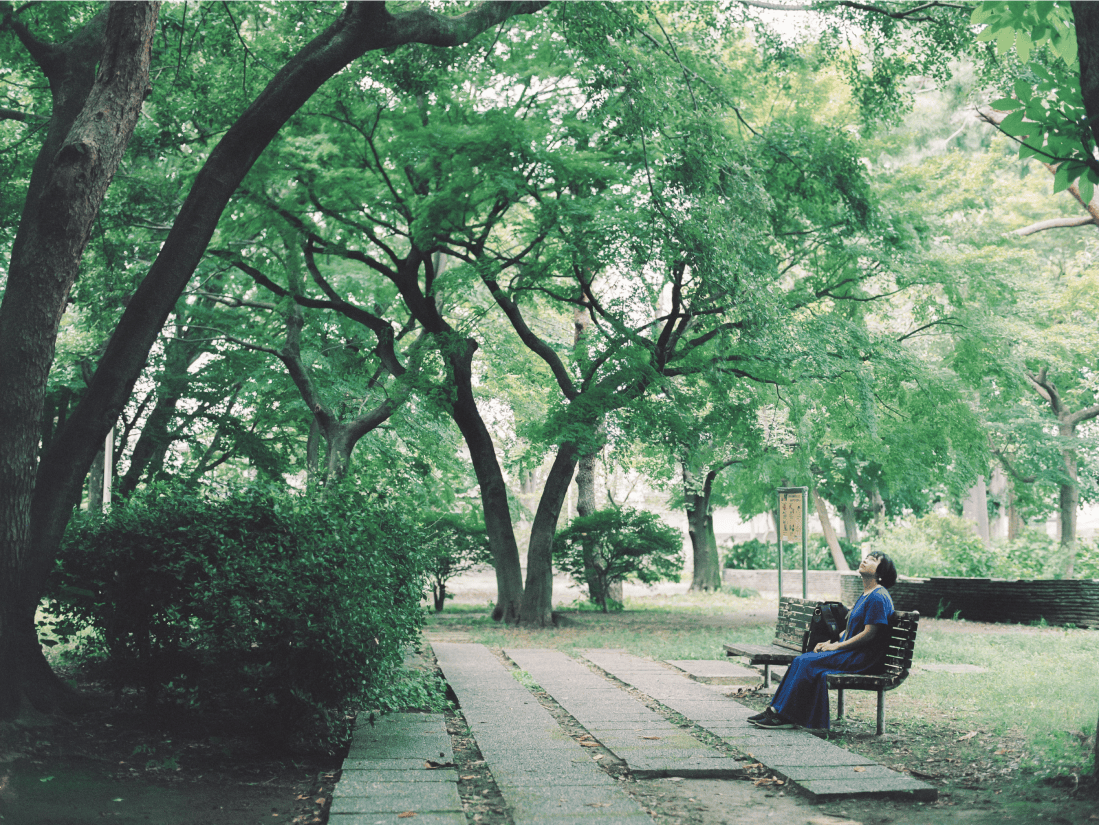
x=288, y=611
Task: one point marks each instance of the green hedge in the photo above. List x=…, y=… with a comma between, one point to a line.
x=757, y=555
x=285, y=610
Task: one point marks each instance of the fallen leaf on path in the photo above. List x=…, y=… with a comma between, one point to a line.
x=407, y=814
x=598, y=805
x=969, y=736
x=1001, y=751
x=651, y=737
x=919, y=773
x=469, y=777
x=860, y=768
x=431, y=764
x=320, y=801
x=588, y=745
x=769, y=781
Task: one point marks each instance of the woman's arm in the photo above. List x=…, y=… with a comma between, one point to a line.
x=860, y=640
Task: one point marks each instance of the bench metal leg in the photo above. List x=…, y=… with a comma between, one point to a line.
x=839, y=703
x=881, y=711
x=766, y=676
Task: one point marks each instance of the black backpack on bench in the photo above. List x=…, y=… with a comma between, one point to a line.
x=827, y=625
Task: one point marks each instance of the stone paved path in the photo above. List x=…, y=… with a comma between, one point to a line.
x=643, y=739
x=811, y=764
x=545, y=775
x=386, y=774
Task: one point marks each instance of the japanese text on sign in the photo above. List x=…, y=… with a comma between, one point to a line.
x=790, y=516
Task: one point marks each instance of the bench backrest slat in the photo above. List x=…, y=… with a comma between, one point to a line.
x=794, y=615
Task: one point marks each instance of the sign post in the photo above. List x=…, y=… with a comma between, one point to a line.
x=793, y=526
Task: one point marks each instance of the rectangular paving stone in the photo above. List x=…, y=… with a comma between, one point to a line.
x=409, y=764
x=434, y=750
x=427, y=796
x=364, y=787
x=576, y=804
x=714, y=668
x=807, y=773
x=778, y=757
x=577, y=774
x=400, y=776
x=721, y=767
x=872, y=787
x=426, y=818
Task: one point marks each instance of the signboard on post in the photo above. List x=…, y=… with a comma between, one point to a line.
x=790, y=513
x=793, y=526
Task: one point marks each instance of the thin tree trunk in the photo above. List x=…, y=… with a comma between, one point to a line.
x=838, y=559
x=1069, y=503
x=95, y=484
x=975, y=508
x=537, y=607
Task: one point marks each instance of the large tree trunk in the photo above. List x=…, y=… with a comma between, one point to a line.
x=975, y=508
x=850, y=522
x=700, y=528
x=494, y=494
x=362, y=27
x=537, y=608
x=838, y=559
x=93, y=117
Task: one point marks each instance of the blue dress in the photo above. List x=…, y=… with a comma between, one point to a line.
x=802, y=697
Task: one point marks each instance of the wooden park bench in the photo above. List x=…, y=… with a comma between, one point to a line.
x=794, y=615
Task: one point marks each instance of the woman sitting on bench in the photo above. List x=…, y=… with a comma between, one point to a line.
x=802, y=696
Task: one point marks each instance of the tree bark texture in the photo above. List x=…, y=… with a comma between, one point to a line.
x=850, y=522
x=1086, y=17
x=700, y=528
x=94, y=115
x=1069, y=500
x=494, y=494
x=537, y=608
x=838, y=559
x=975, y=508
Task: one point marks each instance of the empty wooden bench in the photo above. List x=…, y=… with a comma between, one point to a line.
x=794, y=615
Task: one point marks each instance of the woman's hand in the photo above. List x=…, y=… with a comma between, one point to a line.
x=827, y=646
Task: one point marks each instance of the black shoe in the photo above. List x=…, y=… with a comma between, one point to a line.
x=761, y=716
x=772, y=721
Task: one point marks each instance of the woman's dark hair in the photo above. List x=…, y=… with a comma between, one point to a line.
x=886, y=573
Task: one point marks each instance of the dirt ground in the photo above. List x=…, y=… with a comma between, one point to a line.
x=119, y=765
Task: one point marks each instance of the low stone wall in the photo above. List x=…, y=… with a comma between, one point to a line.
x=822, y=584
x=1057, y=601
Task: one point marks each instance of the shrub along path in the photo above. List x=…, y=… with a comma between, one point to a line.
x=652, y=721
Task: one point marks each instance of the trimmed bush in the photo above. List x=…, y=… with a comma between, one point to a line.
x=757, y=555
x=455, y=544
x=614, y=545
x=283, y=609
x=936, y=545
